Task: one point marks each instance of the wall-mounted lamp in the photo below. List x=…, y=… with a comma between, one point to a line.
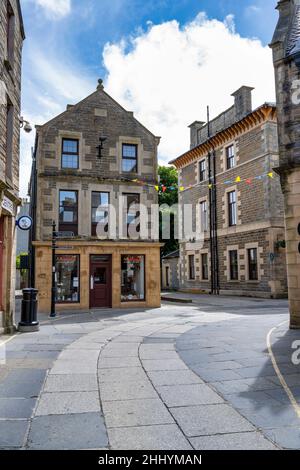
x=25, y=125
x=102, y=139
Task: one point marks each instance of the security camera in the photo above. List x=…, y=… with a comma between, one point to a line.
x=27, y=128
x=25, y=125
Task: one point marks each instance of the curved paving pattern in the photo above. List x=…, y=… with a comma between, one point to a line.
x=240, y=369
x=126, y=387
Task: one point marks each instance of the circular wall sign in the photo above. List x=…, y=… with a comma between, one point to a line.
x=25, y=222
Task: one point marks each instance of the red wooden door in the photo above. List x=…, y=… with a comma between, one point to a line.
x=100, y=281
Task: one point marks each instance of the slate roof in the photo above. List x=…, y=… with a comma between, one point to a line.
x=174, y=254
x=293, y=43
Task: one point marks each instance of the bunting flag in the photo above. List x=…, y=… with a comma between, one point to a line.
x=163, y=188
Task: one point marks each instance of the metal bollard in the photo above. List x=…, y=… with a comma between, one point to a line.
x=29, y=321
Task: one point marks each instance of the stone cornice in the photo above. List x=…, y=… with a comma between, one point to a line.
x=264, y=113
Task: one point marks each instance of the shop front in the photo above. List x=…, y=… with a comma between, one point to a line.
x=99, y=275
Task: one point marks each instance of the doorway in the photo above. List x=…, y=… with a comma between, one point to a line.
x=100, y=281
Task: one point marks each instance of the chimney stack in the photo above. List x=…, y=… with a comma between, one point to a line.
x=195, y=126
x=242, y=102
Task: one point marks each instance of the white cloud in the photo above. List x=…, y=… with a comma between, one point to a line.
x=55, y=8
x=168, y=74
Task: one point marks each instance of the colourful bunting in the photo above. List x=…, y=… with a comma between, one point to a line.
x=163, y=188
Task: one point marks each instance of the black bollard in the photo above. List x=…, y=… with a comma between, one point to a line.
x=29, y=321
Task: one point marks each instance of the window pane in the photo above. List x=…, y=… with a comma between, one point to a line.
x=129, y=151
x=70, y=146
x=70, y=161
x=204, y=259
x=192, y=267
x=68, y=198
x=132, y=278
x=233, y=257
x=253, y=266
x=129, y=166
x=100, y=203
x=67, y=278
x=203, y=207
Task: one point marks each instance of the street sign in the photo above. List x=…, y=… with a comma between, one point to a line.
x=24, y=223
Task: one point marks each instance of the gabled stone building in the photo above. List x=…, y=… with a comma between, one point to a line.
x=286, y=55
x=237, y=203
x=95, y=193
x=11, y=41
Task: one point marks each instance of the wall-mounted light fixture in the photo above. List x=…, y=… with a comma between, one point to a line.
x=102, y=139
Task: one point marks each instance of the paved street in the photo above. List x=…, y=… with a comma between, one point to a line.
x=185, y=376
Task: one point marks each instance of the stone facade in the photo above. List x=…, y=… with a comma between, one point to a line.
x=11, y=41
x=259, y=209
x=286, y=55
x=97, y=115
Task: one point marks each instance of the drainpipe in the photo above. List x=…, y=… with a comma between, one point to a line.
x=33, y=204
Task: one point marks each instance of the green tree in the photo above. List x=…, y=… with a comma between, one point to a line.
x=168, y=180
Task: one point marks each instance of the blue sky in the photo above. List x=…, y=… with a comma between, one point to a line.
x=71, y=43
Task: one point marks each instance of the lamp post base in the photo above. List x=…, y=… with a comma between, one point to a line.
x=28, y=328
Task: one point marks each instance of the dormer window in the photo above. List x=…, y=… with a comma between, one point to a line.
x=129, y=158
x=70, y=154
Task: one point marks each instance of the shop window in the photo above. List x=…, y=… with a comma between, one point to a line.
x=132, y=278
x=67, y=278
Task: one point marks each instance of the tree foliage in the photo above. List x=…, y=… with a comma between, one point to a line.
x=169, y=180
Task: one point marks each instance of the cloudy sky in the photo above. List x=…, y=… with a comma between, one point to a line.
x=166, y=60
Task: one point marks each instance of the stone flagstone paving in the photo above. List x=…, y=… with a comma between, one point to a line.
x=181, y=377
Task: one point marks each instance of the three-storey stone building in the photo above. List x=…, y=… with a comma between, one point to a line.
x=237, y=203
x=96, y=194
x=11, y=41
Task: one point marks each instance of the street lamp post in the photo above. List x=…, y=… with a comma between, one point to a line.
x=53, y=288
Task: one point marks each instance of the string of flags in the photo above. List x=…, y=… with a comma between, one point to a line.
x=163, y=188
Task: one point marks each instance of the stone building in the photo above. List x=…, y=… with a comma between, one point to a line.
x=170, y=271
x=82, y=185
x=11, y=41
x=286, y=54
x=231, y=160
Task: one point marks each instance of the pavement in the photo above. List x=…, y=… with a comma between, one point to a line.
x=182, y=377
